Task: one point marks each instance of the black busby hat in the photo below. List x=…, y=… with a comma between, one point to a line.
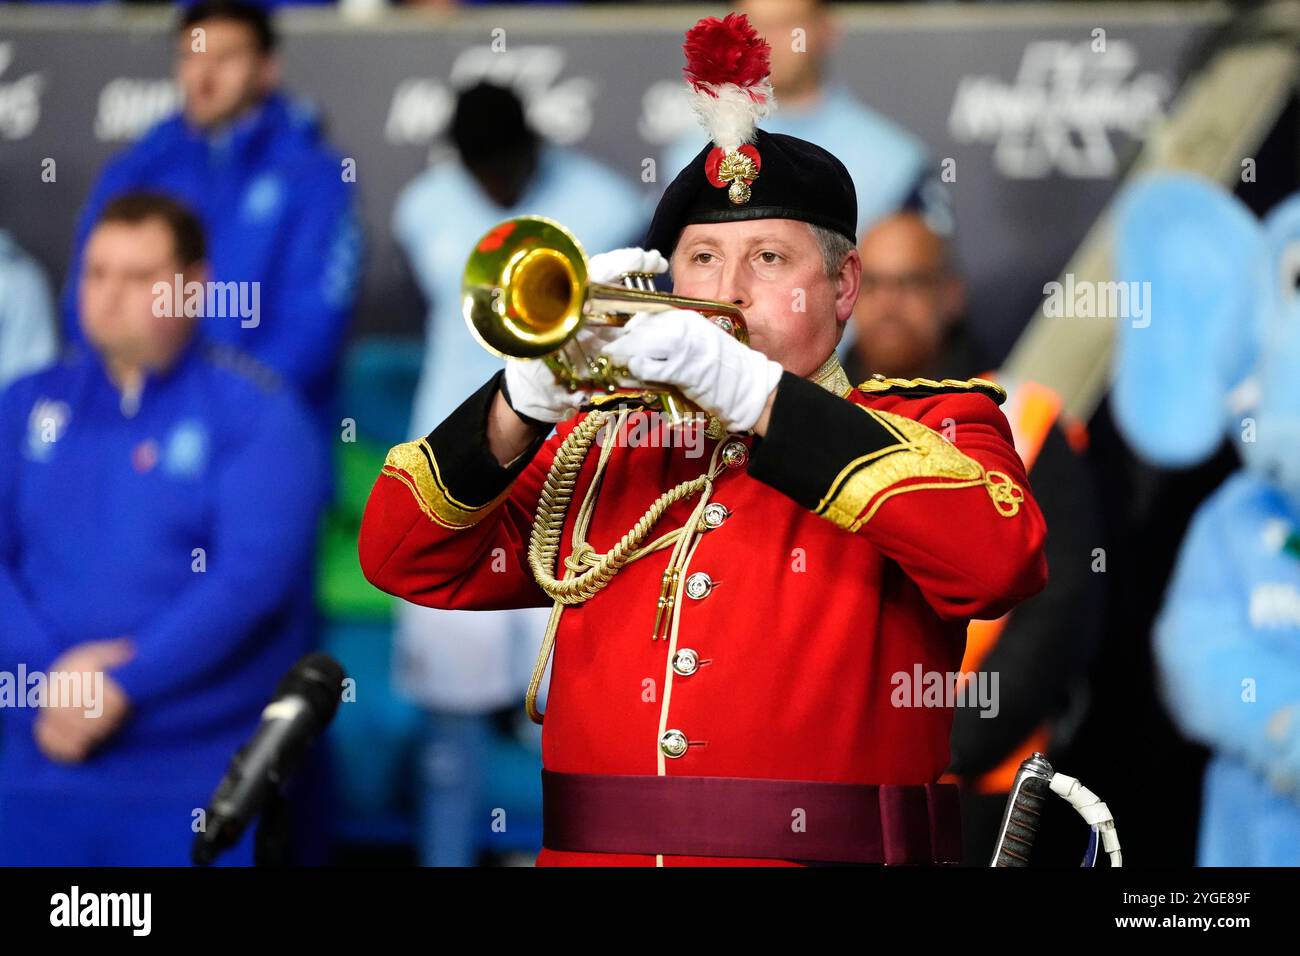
x=797, y=180
x=746, y=173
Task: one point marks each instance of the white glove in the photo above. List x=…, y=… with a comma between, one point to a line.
x=683, y=348
x=608, y=266
x=531, y=384
x=534, y=392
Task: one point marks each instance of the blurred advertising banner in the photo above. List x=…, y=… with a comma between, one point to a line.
x=1032, y=111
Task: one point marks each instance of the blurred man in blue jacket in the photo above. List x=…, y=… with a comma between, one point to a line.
x=156, y=534
x=271, y=195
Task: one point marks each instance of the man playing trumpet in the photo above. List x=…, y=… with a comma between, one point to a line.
x=731, y=632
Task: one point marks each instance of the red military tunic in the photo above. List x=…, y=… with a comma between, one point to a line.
x=855, y=542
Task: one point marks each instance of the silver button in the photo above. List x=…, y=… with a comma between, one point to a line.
x=714, y=514
x=698, y=585
x=673, y=743
x=686, y=661
x=734, y=454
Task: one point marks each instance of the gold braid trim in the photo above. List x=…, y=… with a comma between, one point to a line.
x=831, y=376
x=413, y=464
x=867, y=482
x=878, y=384
x=586, y=572
x=590, y=572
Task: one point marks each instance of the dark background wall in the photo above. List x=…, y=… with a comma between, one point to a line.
x=1037, y=122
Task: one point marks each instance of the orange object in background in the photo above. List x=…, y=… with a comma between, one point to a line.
x=1031, y=409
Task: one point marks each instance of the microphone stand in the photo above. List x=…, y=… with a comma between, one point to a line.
x=271, y=841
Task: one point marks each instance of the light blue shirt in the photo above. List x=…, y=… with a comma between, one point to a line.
x=27, y=338
x=443, y=212
x=885, y=161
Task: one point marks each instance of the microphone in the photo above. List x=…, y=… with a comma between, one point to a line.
x=305, y=701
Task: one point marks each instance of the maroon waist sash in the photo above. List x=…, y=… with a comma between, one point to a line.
x=750, y=817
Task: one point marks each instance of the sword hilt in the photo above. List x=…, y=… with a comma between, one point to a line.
x=1023, y=813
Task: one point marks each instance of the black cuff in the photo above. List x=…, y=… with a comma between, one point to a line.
x=812, y=435
x=465, y=466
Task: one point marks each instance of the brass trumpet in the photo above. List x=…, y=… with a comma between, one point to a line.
x=525, y=294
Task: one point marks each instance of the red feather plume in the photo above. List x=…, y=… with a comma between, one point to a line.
x=725, y=51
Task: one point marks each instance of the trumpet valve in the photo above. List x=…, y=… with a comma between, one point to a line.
x=644, y=281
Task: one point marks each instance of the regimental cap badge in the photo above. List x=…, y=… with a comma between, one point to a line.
x=727, y=69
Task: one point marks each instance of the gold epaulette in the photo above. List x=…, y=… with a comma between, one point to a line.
x=879, y=385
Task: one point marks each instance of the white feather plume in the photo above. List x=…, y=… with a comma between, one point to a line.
x=731, y=115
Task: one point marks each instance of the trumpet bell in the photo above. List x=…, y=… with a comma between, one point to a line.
x=526, y=293
x=524, y=288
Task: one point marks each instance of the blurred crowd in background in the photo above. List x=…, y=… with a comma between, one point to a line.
x=370, y=5
x=179, y=494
